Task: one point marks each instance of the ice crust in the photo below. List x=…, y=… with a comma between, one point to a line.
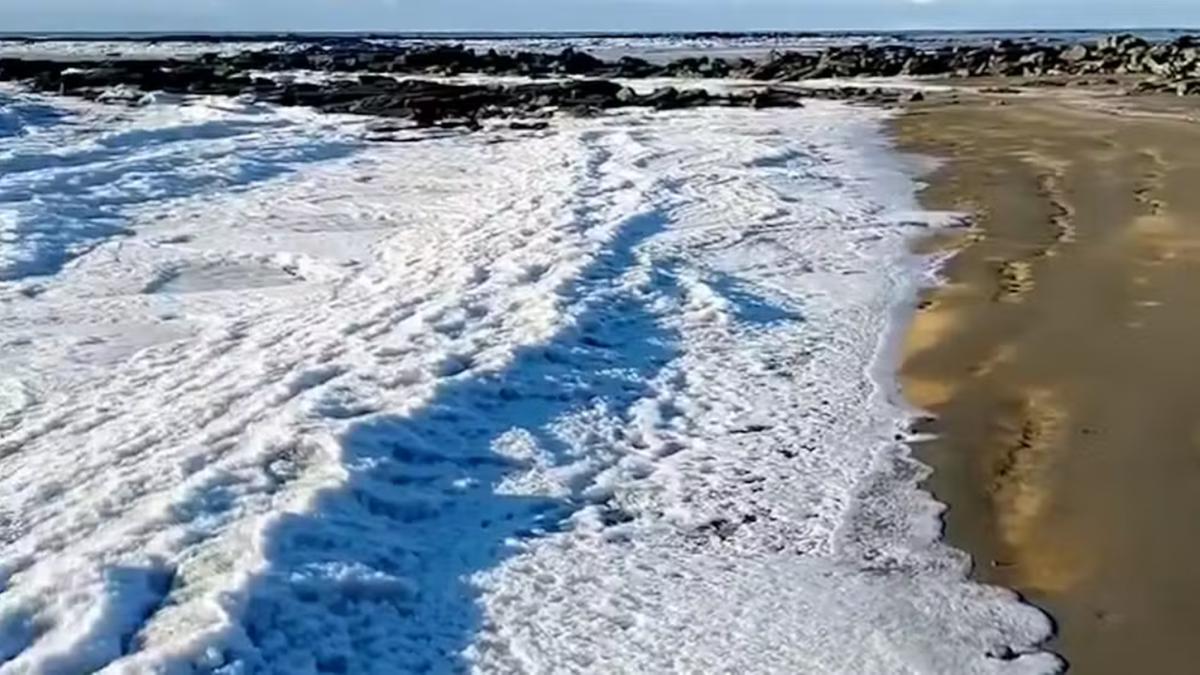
x=615, y=396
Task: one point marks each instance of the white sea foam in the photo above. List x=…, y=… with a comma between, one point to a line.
x=101, y=49
x=602, y=398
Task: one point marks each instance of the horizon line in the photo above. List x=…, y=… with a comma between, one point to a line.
x=518, y=34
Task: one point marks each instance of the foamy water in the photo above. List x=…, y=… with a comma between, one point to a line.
x=611, y=397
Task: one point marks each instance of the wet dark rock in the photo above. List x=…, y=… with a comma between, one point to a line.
x=663, y=98
x=370, y=85
x=529, y=125
x=1190, y=87
x=631, y=67
x=722, y=528
x=773, y=97
x=1152, y=86
x=1076, y=54
x=702, y=67
x=570, y=93
x=424, y=103
x=1118, y=54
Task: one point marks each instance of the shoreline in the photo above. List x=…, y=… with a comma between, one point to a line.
x=1056, y=346
x=511, y=415
x=919, y=328
x=571, y=364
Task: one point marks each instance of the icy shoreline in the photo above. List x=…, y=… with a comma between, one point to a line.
x=610, y=396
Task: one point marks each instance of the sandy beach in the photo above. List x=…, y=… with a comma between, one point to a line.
x=1057, y=360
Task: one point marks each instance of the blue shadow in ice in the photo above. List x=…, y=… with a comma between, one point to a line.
x=377, y=577
x=61, y=200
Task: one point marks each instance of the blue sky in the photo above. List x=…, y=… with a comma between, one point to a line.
x=524, y=15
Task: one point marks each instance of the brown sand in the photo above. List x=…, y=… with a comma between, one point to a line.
x=1062, y=363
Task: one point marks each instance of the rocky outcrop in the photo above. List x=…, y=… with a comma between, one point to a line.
x=424, y=102
x=1167, y=62
x=372, y=78
x=1118, y=54
x=393, y=83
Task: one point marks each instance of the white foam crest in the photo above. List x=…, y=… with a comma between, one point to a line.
x=604, y=398
x=764, y=518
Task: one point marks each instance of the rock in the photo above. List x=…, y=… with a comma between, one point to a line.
x=1151, y=87
x=662, y=98
x=787, y=66
x=578, y=63
x=571, y=93
x=1187, y=87
x=1188, y=58
x=692, y=98
x=1152, y=65
x=773, y=97
x=529, y=125
x=378, y=80
x=384, y=127
x=1076, y=54
x=1124, y=42
x=629, y=66
x=701, y=66
x=926, y=64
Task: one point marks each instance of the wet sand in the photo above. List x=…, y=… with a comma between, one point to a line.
x=1060, y=362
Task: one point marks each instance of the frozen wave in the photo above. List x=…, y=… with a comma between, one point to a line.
x=599, y=398
x=69, y=178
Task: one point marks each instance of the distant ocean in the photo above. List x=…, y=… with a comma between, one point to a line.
x=653, y=46
x=952, y=36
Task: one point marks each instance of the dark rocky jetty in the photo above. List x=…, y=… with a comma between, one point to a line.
x=1115, y=55
x=424, y=101
x=413, y=82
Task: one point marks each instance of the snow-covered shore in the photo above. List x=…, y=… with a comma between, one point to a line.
x=606, y=397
